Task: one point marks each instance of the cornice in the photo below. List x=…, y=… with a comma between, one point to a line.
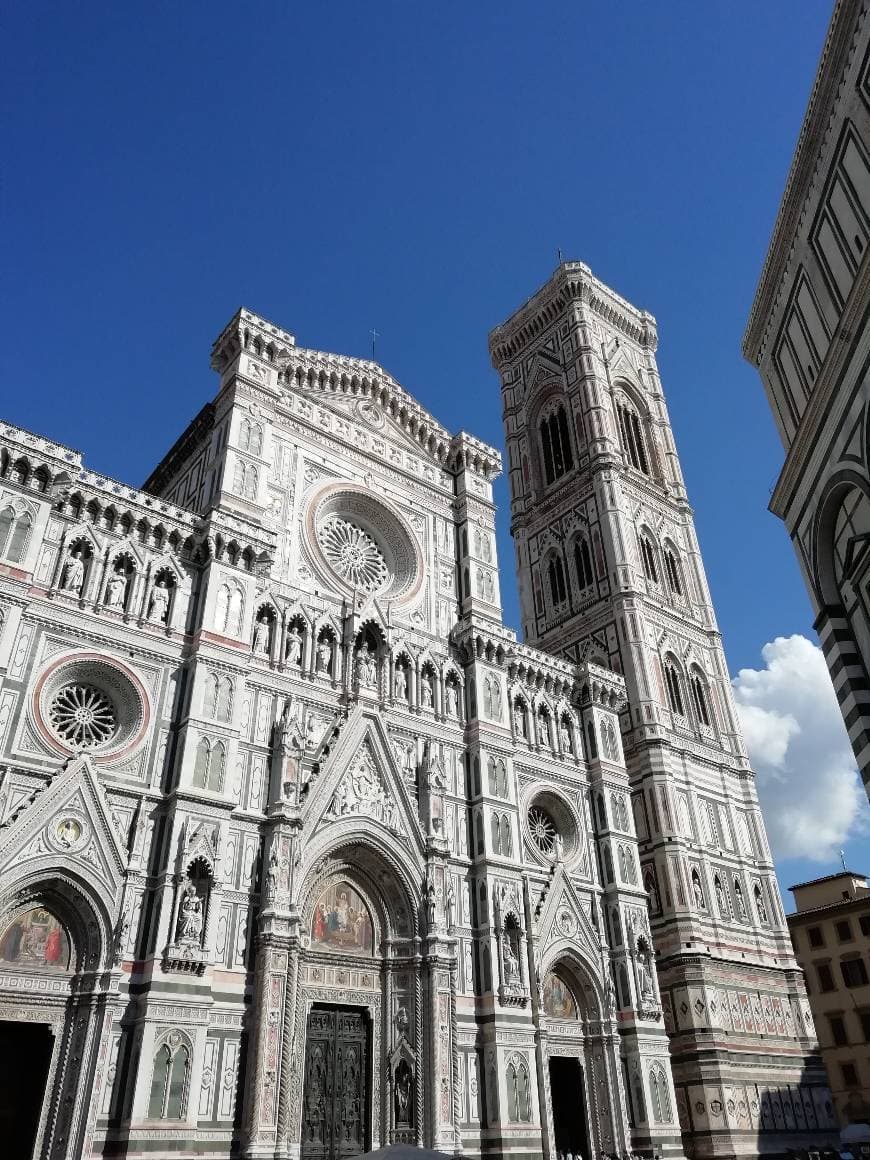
x=571, y=282
x=827, y=88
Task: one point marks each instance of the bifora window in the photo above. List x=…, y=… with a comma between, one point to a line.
x=556, y=445
x=648, y=556
x=556, y=575
x=699, y=699
x=583, y=564
x=675, y=692
x=631, y=434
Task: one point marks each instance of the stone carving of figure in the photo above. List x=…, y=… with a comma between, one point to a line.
x=367, y=667
x=610, y=995
x=158, y=605
x=762, y=909
x=431, y=905
x=261, y=636
x=426, y=691
x=401, y=684
x=452, y=700
x=323, y=663
x=558, y=848
x=403, y=1093
x=644, y=971
x=511, y=962
x=190, y=918
x=543, y=729
x=450, y=907
x=519, y=720
x=74, y=573
x=565, y=734
x=272, y=876
x=293, y=653
x=116, y=590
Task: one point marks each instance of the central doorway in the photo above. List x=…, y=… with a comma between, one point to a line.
x=25, y=1057
x=569, y=1107
x=335, y=1111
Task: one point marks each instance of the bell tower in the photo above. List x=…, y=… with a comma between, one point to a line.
x=610, y=574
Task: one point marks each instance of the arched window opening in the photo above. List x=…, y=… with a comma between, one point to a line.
x=583, y=564
x=224, y=700
x=507, y=842
x=556, y=445
x=518, y=1094
x=851, y=531
x=7, y=518
x=631, y=436
x=18, y=540
x=556, y=575
x=672, y=570
x=660, y=1097
x=674, y=690
x=648, y=558
x=169, y=1082
x=699, y=699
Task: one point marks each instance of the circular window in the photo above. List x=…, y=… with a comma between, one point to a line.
x=90, y=703
x=362, y=543
x=83, y=716
x=551, y=824
x=543, y=829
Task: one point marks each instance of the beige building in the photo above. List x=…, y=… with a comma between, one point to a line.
x=809, y=338
x=830, y=932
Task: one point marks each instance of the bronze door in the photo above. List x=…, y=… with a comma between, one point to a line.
x=334, y=1104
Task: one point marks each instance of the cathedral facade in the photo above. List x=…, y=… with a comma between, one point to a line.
x=303, y=853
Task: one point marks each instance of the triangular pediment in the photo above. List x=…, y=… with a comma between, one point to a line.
x=68, y=824
x=362, y=780
x=564, y=916
x=364, y=415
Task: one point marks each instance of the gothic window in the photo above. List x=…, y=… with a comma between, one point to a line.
x=631, y=436
x=224, y=700
x=556, y=578
x=229, y=608
x=251, y=437
x=608, y=740
x=208, y=769
x=495, y=826
x=169, y=1081
x=672, y=571
x=614, y=809
x=608, y=865
x=556, y=445
x=602, y=811
x=492, y=698
x=252, y=479
x=721, y=898
x=518, y=1093
x=648, y=558
x=623, y=815
x=699, y=699
x=14, y=534
x=623, y=874
x=583, y=564
x=659, y=1095
x=507, y=842
x=674, y=689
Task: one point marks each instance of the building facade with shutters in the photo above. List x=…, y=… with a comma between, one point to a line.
x=808, y=336
x=303, y=853
x=830, y=931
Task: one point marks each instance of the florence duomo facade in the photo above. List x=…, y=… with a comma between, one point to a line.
x=302, y=852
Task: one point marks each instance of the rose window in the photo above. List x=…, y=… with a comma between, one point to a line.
x=353, y=553
x=82, y=716
x=543, y=829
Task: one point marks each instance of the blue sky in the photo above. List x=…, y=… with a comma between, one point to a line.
x=414, y=169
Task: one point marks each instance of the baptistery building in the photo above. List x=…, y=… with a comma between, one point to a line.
x=303, y=852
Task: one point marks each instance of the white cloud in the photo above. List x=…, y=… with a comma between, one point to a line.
x=808, y=783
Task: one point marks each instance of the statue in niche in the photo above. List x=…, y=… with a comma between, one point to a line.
x=158, y=605
x=543, y=729
x=519, y=720
x=644, y=970
x=293, y=652
x=190, y=917
x=116, y=590
x=403, y=1087
x=450, y=907
x=452, y=700
x=261, y=636
x=74, y=573
x=565, y=734
x=401, y=684
x=511, y=961
x=323, y=661
x=426, y=693
x=272, y=876
x=431, y=905
x=698, y=892
x=366, y=667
